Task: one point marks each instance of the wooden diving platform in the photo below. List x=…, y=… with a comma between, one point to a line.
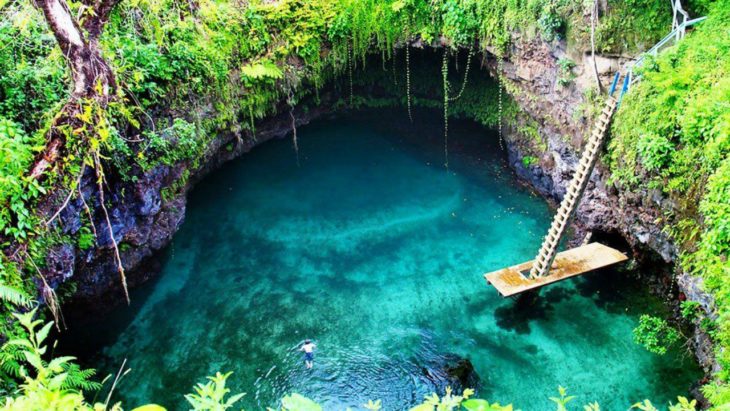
x=576, y=261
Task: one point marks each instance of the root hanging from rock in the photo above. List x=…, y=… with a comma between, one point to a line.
x=88, y=213
x=100, y=184
x=252, y=123
x=49, y=295
x=394, y=72
x=294, y=132
x=71, y=192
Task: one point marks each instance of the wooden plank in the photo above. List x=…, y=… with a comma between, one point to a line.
x=576, y=261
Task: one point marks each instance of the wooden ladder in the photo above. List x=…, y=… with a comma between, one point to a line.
x=545, y=257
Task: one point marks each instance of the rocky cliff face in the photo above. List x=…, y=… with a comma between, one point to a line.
x=143, y=219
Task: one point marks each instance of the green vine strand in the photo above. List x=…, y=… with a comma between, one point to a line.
x=408, y=81
x=349, y=67
x=466, y=76
x=445, y=73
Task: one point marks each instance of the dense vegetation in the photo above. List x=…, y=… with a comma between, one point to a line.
x=672, y=135
x=190, y=70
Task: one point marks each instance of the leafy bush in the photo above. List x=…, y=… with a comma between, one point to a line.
x=655, y=151
x=211, y=395
x=565, y=66
x=528, y=161
x=690, y=309
x=49, y=385
x=655, y=334
x=550, y=23
x=16, y=189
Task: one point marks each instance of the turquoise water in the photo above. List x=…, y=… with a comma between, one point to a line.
x=373, y=250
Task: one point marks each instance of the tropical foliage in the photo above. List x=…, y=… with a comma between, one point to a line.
x=672, y=135
x=188, y=71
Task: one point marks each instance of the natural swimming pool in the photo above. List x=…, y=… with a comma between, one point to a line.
x=371, y=248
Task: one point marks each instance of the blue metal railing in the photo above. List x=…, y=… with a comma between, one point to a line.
x=624, y=88
x=613, y=84
x=675, y=35
x=630, y=77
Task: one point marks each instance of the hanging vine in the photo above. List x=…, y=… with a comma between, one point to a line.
x=349, y=67
x=445, y=74
x=294, y=132
x=499, y=104
x=290, y=101
x=252, y=124
x=92, y=125
x=408, y=81
x=395, y=75
x=466, y=76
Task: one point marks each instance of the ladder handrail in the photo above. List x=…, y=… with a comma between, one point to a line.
x=676, y=35
x=614, y=83
x=625, y=87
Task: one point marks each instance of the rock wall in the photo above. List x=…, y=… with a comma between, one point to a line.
x=142, y=219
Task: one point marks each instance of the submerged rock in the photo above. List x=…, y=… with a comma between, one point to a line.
x=452, y=371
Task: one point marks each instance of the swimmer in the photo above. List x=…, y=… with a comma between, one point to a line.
x=308, y=348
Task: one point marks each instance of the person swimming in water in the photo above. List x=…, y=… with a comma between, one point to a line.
x=308, y=348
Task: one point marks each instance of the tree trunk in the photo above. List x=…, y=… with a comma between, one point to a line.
x=91, y=75
x=594, y=12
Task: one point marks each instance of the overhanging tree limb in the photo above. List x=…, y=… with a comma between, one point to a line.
x=91, y=75
x=93, y=84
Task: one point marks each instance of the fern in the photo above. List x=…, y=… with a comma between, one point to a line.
x=263, y=69
x=14, y=296
x=11, y=358
x=79, y=379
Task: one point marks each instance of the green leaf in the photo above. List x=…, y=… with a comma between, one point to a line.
x=43, y=333
x=14, y=296
x=262, y=70
x=476, y=405
x=34, y=360
x=150, y=407
x=296, y=402
x=234, y=399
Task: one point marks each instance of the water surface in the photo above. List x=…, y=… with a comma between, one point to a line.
x=371, y=248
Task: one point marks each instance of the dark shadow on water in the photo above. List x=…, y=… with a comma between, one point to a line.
x=531, y=306
x=86, y=333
